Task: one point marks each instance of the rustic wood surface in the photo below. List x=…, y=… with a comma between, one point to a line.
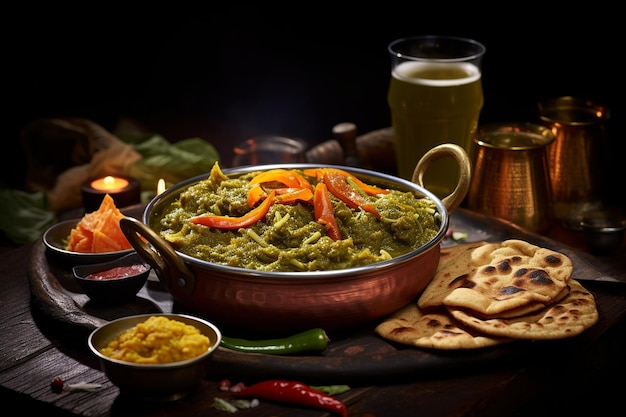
x=43, y=336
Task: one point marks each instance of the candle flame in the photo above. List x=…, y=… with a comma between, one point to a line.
x=160, y=186
x=109, y=183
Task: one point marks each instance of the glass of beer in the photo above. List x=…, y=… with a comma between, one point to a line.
x=435, y=96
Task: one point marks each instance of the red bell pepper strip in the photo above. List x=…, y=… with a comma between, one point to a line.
x=233, y=223
x=293, y=392
x=340, y=188
x=368, y=189
x=324, y=213
x=288, y=178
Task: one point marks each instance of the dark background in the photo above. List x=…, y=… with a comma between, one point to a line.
x=293, y=72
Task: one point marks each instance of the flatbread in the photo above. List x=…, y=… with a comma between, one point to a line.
x=410, y=326
x=486, y=294
x=569, y=317
x=503, y=279
x=441, y=285
x=453, y=253
x=523, y=310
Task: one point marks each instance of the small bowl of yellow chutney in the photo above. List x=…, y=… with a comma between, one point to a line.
x=159, y=357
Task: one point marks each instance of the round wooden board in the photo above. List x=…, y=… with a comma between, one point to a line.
x=353, y=355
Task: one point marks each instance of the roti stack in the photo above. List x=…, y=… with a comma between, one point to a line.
x=485, y=294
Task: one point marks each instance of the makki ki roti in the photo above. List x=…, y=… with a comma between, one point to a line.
x=448, y=327
x=435, y=330
x=569, y=317
x=508, y=278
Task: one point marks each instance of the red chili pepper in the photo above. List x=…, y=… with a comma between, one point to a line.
x=294, y=393
x=231, y=223
x=324, y=213
x=340, y=188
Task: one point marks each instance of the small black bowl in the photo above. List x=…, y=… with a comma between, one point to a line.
x=604, y=230
x=118, y=288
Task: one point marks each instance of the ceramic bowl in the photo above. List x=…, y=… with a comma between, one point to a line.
x=115, y=281
x=166, y=381
x=55, y=239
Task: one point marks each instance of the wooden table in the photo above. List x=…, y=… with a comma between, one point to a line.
x=569, y=375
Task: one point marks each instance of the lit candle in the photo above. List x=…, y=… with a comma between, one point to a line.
x=160, y=186
x=125, y=192
x=109, y=183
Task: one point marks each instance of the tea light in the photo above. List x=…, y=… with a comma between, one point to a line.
x=125, y=191
x=109, y=184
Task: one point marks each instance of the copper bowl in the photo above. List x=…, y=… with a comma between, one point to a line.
x=286, y=301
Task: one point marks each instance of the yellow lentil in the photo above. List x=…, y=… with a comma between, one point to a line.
x=158, y=340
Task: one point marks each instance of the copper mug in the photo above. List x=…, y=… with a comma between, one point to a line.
x=511, y=177
x=575, y=157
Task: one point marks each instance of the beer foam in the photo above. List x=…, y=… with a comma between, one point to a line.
x=410, y=72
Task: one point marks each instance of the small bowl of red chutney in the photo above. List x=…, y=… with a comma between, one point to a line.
x=113, y=282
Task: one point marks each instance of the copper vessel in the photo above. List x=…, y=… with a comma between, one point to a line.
x=511, y=177
x=246, y=299
x=575, y=157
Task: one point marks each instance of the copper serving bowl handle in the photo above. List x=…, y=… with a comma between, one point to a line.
x=454, y=199
x=169, y=266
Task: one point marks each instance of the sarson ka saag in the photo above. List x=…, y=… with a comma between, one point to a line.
x=291, y=220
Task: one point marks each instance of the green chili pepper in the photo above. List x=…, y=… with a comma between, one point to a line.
x=313, y=340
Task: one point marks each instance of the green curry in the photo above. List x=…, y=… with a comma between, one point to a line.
x=293, y=236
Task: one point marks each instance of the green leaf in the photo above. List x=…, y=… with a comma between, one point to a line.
x=24, y=216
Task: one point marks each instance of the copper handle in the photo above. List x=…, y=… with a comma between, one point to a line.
x=455, y=198
x=159, y=254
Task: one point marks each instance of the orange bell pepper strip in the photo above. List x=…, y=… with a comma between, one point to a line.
x=368, y=189
x=283, y=195
x=291, y=195
x=290, y=179
x=339, y=187
x=317, y=173
x=324, y=213
x=256, y=194
x=233, y=223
